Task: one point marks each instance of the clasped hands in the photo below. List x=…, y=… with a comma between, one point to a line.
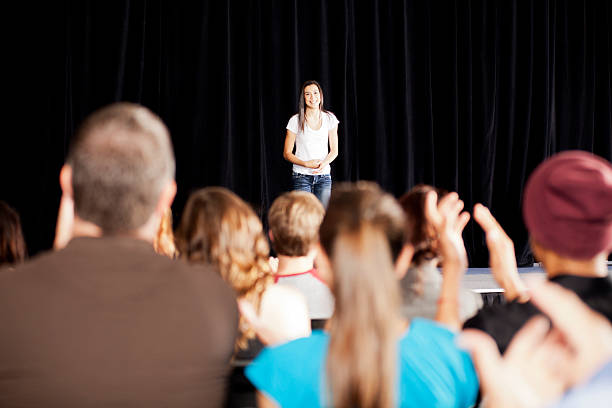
x=316, y=164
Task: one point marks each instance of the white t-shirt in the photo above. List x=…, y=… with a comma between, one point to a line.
x=312, y=144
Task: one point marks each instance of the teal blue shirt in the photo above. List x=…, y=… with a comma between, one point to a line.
x=433, y=372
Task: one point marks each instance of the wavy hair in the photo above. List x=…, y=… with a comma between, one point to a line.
x=218, y=227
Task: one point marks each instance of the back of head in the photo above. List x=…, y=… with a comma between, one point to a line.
x=355, y=203
x=418, y=231
x=567, y=205
x=294, y=219
x=358, y=233
x=218, y=227
x=12, y=245
x=121, y=159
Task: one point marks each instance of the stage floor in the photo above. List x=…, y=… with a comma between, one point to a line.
x=480, y=280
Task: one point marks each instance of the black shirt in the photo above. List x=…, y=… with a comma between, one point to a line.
x=503, y=321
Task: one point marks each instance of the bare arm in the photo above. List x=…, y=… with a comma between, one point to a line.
x=449, y=222
x=290, y=157
x=501, y=255
x=265, y=402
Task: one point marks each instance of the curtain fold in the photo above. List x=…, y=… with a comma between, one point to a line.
x=469, y=95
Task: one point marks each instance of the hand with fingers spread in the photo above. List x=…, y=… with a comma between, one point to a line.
x=540, y=364
x=448, y=221
x=502, y=258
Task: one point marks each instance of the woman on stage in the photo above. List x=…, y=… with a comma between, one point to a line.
x=314, y=133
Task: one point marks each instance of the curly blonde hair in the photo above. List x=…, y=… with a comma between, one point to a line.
x=218, y=227
x=163, y=243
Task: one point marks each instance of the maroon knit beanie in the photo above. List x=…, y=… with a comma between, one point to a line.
x=567, y=204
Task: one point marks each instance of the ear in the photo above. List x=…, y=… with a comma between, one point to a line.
x=65, y=180
x=323, y=265
x=403, y=261
x=271, y=236
x=166, y=198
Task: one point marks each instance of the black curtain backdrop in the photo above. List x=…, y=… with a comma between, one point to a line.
x=466, y=95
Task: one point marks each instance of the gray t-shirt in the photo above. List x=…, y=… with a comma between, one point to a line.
x=319, y=298
x=420, y=290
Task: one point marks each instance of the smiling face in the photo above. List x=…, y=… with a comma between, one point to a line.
x=312, y=96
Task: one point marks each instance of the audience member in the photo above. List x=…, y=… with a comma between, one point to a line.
x=541, y=362
x=105, y=321
x=218, y=227
x=567, y=208
x=370, y=357
x=294, y=219
x=164, y=239
x=12, y=245
x=421, y=283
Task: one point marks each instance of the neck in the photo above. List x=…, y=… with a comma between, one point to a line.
x=288, y=265
x=82, y=228
x=312, y=112
x=595, y=267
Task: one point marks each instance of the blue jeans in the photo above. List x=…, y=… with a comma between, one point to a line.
x=318, y=184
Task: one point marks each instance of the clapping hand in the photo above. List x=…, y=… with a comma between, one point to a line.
x=448, y=221
x=541, y=363
x=501, y=255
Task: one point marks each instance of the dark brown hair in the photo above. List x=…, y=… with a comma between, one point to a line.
x=361, y=226
x=218, y=227
x=12, y=245
x=418, y=232
x=294, y=219
x=121, y=159
x=302, y=103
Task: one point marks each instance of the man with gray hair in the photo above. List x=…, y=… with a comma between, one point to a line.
x=105, y=321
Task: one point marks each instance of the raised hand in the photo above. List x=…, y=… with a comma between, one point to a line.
x=448, y=221
x=501, y=255
x=540, y=364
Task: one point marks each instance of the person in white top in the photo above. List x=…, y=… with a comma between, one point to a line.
x=313, y=131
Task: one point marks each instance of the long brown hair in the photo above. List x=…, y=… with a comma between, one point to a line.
x=418, y=231
x=302, y=103
x=361, y=362
x=217, y=227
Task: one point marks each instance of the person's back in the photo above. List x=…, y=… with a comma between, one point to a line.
x=105, y=321
x=318, y=296
x=421, y=284
x=368, y=355
x=294, y=220
x=567, y=209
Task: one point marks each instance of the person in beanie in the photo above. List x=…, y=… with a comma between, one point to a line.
x=567, y=209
